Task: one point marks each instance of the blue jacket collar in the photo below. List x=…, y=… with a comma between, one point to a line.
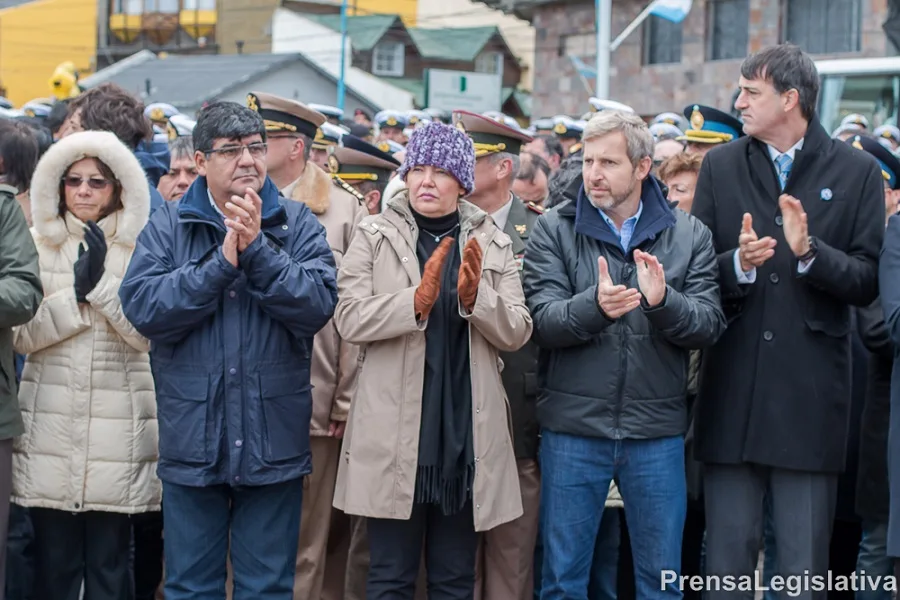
x=195, y=206
x=657, y=216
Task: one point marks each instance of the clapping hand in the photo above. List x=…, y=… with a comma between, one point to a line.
x=752, y=251
x=247, y=219
x=651, y=277
x=796, y=227
x=614, y=300
x=89, y=267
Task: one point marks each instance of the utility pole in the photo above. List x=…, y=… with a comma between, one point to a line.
x=340, y=87
x=603, y=17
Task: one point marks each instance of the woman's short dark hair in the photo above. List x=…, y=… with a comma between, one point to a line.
x=18, y=153
x=226, y=120
x=788, y=68
x=108, y=107
x=115, y=201
x=58, y=113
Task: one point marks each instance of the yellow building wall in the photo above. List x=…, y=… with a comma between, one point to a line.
x=38, y=36
x=407, y=9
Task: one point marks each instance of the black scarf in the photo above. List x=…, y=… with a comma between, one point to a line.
x=446, y=466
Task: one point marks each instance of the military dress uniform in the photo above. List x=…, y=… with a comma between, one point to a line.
x=505, y=562
x=356, y=162
x=709, y=127
x=334, y=362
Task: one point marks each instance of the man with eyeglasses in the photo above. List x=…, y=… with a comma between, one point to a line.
x=291, y=129
x=230, y=285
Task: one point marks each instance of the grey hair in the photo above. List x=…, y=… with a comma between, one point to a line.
x=228, y=120
x=182, y=147
x=788, y=68
x=307, y=145
x=637, y=134
x=513, y=158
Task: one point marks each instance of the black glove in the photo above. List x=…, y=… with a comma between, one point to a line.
x=89, y=266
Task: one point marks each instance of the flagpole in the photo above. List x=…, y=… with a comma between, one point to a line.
x=603, y=16
x=631, y=27
x=340, y=86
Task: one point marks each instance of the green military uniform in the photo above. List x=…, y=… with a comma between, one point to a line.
x=520, y=368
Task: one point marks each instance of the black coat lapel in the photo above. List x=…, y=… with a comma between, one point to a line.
x=762, y=169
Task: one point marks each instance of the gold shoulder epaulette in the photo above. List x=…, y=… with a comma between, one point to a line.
x=534, y=207
x=348, y=188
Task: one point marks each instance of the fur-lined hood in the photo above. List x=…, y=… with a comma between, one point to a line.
x=130, y=220
x=313, y=188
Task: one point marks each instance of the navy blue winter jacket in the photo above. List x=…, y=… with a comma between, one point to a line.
x=231, y=345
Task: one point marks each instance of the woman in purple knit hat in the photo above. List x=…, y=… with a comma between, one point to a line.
x=430, y=291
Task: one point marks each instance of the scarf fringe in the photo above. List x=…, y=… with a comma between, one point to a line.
x=450, y=493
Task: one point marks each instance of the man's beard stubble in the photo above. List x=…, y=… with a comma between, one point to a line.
x=614, y=200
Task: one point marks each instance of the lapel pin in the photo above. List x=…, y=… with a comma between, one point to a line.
x=825, y=194
x=520, y=229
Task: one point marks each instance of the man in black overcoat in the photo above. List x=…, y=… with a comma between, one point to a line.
x=797, y=221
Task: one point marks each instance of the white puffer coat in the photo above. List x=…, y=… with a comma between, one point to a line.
x=87, y=397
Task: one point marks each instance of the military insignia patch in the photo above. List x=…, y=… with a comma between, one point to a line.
x=391, y=122
x=460, y=126
x=520, y=261
x=384, y=147
x=559, y=129
x=334, y=164
x=253, y=102
x=171, y=132
x=521, y=229
x=157, y=114
x=29, y=112
x=697, y=119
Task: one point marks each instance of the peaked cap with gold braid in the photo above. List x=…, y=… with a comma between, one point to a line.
x=489, y=135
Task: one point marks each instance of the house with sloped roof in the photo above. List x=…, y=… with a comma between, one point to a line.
x=188, y=82
x=381, y=45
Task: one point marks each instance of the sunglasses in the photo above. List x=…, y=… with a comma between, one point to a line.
x=95, y=183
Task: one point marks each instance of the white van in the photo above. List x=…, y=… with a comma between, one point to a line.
x=868, y=86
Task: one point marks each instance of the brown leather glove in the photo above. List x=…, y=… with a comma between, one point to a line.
x=469, y=275
x=430, y=286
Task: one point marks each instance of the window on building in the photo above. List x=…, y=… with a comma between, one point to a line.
x=127, y=7
x=161, y=6
x=199, y=4
x=489, y=62
x=824, y=26
x=580, y=45
x=662, y=41
x=728, y=23
x=387, y=59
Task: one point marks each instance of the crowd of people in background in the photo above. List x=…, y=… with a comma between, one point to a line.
x=266, y=352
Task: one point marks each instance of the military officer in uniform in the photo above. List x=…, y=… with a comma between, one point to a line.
x=568, y=131
x=505, y=558
x=332, y=114
x=290, y=126
x=364, y=167
x=709, y=128
x=391, y=124
x=328, y=136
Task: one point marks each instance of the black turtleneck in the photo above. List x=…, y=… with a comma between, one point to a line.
x=446, y=465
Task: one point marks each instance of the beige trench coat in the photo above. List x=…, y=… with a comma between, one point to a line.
x=334, y=362
x=376, y=286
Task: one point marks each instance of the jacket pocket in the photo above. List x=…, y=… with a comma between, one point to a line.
x=182, y=402
x=287, y=409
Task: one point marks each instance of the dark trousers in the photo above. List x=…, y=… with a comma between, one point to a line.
x=396, y=548
x=19, y=555
x=89, y=547
x=692, y=545
x=148, y=554
x=256, y=526
x=5, y=490
x=803, y=506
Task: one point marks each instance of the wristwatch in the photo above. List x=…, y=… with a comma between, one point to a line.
x=811, y=253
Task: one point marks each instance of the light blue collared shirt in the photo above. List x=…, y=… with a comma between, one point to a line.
x=627, y=227
x=214, y=205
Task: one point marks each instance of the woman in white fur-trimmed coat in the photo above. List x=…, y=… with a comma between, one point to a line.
x=87, y=459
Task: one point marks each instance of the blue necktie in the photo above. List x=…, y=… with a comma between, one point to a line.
x=784, y=164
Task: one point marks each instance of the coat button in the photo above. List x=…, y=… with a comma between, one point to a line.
x=404, y=259
x=478, y=506
x=238, y=443
x=77, y=505
x=779, y=221
x=232, y=294
x=285, y=227
x=477, y=411
x=476, y=459
x=768, y=335
x=773, y=277
x=233, y=371
x=237, y=478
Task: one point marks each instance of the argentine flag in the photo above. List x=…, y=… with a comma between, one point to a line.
x=671, y=10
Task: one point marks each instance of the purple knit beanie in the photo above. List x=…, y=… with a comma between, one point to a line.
x=445, y=147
